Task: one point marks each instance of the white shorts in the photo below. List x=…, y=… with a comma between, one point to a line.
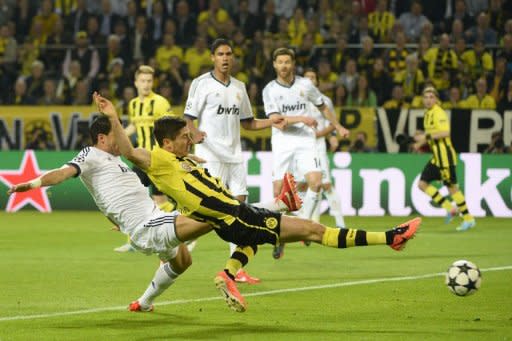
x=158, y=235
x=233, y=175
x=297, y=157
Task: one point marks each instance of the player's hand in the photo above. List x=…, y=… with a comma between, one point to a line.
x=23, y=187
x=343, y=132
x=104, y=105
x=198, y=137
x=309, y=121
x=416, y=146
x=333, y=143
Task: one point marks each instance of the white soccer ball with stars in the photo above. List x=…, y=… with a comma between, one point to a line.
x=463, y=278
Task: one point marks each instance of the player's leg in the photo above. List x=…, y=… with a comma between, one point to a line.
x=449, y=177
x=295, y=229
x=174, y=263
x=334, y=204
x=429, y=174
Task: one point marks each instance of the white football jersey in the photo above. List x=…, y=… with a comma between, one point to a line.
x=293, y=100
x=219, y=109
x=115, y=188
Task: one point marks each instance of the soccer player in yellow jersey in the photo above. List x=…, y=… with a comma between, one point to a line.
x=444, y=159
x=143, y=110
x=204, y=198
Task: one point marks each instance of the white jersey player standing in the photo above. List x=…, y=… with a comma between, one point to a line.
x=220, y=104
x=325, y=130
x=294, y=148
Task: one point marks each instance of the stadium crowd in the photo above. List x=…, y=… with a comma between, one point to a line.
x=367, y=52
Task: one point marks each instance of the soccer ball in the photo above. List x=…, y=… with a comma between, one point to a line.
x=463, y=278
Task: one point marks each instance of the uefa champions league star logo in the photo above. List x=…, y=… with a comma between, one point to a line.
x=37, y=197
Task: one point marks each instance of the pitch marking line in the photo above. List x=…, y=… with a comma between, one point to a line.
x=262, y=293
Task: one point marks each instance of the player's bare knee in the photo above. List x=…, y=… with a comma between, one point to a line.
x=315, y=232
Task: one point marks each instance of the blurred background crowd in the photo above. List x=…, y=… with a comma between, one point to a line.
x=367, y=52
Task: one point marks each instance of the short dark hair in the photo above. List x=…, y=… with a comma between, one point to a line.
x=168, y=127
x=100, y=125
x=220, y=42
x=283, y=51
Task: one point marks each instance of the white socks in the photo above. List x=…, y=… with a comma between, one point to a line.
x=311, y=200
x=335, y=207
x=164, y=277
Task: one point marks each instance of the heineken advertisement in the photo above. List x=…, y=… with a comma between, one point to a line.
x=368, y=184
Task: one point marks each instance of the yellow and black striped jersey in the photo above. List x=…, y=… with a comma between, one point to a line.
x=144, y=113
x=197, y=193
x=435, y=121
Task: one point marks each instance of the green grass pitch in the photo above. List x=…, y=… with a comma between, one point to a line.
x=60, y=280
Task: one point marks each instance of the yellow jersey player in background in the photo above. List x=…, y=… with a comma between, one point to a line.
x=143, y=111
x=443, y=164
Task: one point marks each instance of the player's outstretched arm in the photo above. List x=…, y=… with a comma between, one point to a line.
x=50, y=178
x=139, y=156
x=328, y=114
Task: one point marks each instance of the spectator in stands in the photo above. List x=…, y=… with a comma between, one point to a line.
x=67, y=83
x=85, y=54
x=20, y=96
x=424, y=45
x=107, y=18
x=166, y=51
x=96, y=38
x=185, y=24
x=362, y=96
x=397, y=100
x=326, y=78
x=131, y=16
x=350, y=21
x=49, y=93
x=120, y=30
x=480, y=100
x=457, y=31
x=53, y=57
x=245, y=20
x=113, y=51
x=340, y=55
x=260, y=60
x=454, y=99
x=128, y=93
x=498, y=79
x=478, y=61
x=216, y=18
x=441, y=64
x=477, y=6
x=349, y=77
x=413, y=21
x=411, y=79
x=36, y=80
x=269, y=21
x=82, y=95
x=381, y=22
x=506, y=101
x=313, y=28
x=197, y=56
x=22, y=18
x=45, y=20
x=241, y=47
x=77, y=20
x=6, y=11
x=28, y=53
x=255, y=98
x=506, y=51
x=460, y=13
x=497, y=145
x=395, y=57
x=157, y=21
x=367, y=55
x=39, y=140
x=297, y=27
x=8, y=51
x=116, y=79
x=326, y=17
x=340, y=96
x=380, y=81
x=360, y=143
x=140, y=40
x=285, y=8
x=482, y=31
x=176, y=76
x=304, y=53
x=498, y=15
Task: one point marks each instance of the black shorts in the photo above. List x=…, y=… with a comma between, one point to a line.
x=146, y=181
x=254, y=226
x=447, y=175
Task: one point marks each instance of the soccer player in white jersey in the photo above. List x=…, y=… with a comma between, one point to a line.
x=294, y=148
x=121, y=197
x=220, y=104
x=325, y=130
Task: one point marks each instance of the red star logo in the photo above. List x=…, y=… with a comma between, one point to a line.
x=28, y=170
